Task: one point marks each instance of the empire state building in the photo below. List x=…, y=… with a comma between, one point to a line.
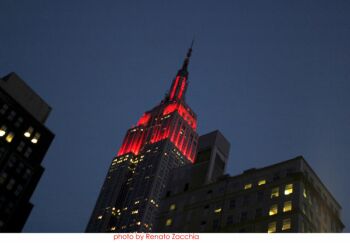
x=164, y=138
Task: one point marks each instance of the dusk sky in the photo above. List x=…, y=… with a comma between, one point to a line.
x=272, y=76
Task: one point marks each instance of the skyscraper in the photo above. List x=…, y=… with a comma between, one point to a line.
x=164, y=138
x=24, y=141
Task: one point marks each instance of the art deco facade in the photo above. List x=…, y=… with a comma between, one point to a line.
x=164, y=138
x=24, y=140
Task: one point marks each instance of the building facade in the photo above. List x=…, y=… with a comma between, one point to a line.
x=166, y=179
x=164, y=138
x=24, y=141
x=283, y=197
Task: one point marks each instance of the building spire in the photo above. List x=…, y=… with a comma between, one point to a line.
x=179, y=85
x=183, y=71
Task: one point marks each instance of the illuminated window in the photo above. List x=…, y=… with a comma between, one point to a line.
x=261, y=182
x=138, y=223
x=172, y=207
x=304, y=193
x=286, y=224
x=36, y=138
x=288, y=189
x=137, y=202
x=287, y=206
x=168, y=222
x=273, y=210
x=113, y=228
x=29, y=132
x=275, y=192
x=2, y=131
x=247, y=186
x=9, y=137
x=135, y=211
x=99, y=217
x=271, y=227
x=218, y=210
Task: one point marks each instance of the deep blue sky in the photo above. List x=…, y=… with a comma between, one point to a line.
x=273, y=76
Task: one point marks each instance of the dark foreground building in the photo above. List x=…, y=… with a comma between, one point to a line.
x=24, y=140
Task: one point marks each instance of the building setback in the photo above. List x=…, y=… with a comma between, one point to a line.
x=284, y=197
x=24, y=141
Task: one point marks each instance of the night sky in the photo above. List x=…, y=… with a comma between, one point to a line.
x=272, y=76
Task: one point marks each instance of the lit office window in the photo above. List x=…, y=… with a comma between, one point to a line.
x=271, y=227
x=273, y=210
x=218, y=210
x=275, y=192
x=261, y=182
x=288, y=189
x=9, y=137
x=304, y=193
x=247, y=186
x=2, y=130
x=172, y=207
x=287, y=206
x=286, y=225
x=36, y=137
x=29, y=132
x=168, y=222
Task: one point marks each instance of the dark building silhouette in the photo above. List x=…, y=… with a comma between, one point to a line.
x=164, y=138
x=24, y=140
x=284, y=197
x=166, y=179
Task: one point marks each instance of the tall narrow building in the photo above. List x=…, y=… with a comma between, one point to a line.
x=24, y=141
x=164, y=138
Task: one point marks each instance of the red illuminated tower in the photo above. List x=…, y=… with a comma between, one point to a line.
x=164, y=138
